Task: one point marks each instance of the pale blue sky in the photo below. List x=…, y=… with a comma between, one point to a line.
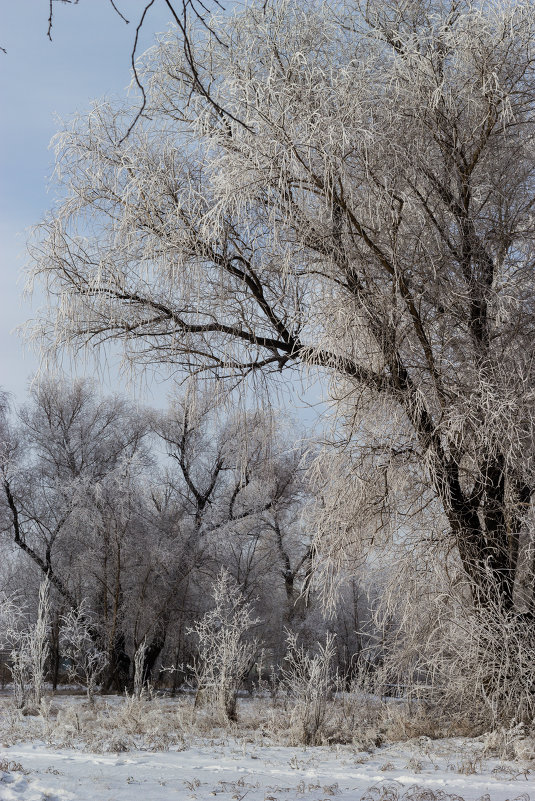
x=39, y=81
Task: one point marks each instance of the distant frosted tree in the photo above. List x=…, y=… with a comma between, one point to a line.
x=69, y=472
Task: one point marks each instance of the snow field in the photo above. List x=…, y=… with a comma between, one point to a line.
x=55, y=761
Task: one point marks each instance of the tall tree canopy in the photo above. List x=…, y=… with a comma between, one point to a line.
x=350, y=187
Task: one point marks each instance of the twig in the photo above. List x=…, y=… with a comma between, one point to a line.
x=119, y=13
x=136, y=76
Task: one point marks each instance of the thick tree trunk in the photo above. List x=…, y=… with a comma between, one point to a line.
x=153, y=651
x=117, y=676
x=55, y=656
x=486, y=530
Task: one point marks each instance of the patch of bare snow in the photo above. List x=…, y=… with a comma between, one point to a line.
x=234, y=771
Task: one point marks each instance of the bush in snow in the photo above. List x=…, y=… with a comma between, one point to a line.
x=28, y=647
x=309, y=681
x=225, y=652
x=86, y=660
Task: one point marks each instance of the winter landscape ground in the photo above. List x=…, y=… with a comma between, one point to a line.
x=71, y=752
x=230, y=769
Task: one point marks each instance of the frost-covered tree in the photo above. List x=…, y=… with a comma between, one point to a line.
x=67, y=445
x=236, y=484
x=14, y=638
x=69, y=496
x=237, y=472
x=350, y=187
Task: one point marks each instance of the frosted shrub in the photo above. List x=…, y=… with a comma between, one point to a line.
x=309, y=681
x=86, y=660
x=225, y=652
x=15, y=638
x=471, y=664
x=28, y=648
x=38, y=644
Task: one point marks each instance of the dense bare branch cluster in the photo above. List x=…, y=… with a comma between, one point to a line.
x=131, y=514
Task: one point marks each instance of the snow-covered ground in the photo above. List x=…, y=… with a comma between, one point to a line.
x=422, y=770
x=122, y=749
